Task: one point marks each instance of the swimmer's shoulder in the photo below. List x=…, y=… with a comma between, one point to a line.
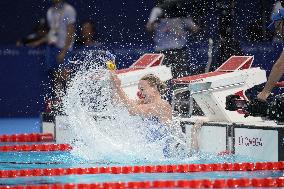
x=165, y=110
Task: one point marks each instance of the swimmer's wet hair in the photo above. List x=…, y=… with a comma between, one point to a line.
x=154, y=81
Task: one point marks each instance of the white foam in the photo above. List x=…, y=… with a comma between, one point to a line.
x=101, y=129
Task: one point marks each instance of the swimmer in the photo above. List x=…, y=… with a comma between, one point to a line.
x=151, y=104
x=157, y=114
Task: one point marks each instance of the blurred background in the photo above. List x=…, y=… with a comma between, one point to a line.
x=236, y=27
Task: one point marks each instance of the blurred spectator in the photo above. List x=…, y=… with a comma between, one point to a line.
x=227, y=44
x=40, y=31
x=61, y=18
x=170, y=24
x=277, y=37
x=87, y=35
x=86, y=46
x=277, y=5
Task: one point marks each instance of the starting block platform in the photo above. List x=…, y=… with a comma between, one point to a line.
x=210, y=90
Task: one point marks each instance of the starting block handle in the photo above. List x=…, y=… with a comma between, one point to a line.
x=280, y=84
x=148, y=60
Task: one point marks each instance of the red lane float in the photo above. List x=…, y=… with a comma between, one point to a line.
x=33, y=137
x=35, y=147
x=205, y=183
x=280, y=84
x=185, y=168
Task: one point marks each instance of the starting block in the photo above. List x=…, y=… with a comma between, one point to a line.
x=229, y=131
x=210, y=90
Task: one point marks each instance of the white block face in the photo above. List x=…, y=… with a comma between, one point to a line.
x=131, y=92
x=212, y=139
x=62, y=131
x=48, y=127
x=257, y=143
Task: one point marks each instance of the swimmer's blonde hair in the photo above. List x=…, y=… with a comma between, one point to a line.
x=154, y=81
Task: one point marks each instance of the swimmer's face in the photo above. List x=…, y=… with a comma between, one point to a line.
x=147, y=90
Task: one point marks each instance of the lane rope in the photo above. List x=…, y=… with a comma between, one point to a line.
x=35, y=147
x=33, y=137
x=205, y=183
x=182, y=168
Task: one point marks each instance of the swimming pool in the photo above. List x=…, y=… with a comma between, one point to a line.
x=61, y=169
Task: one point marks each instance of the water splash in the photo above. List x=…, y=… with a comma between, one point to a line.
x=101, y=129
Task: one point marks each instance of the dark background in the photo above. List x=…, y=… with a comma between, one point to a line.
x=124, y=20
x=120, y=24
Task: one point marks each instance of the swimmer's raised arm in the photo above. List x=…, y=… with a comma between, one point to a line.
x=123, y=98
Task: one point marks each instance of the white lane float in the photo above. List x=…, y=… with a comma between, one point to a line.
x=223, y=130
